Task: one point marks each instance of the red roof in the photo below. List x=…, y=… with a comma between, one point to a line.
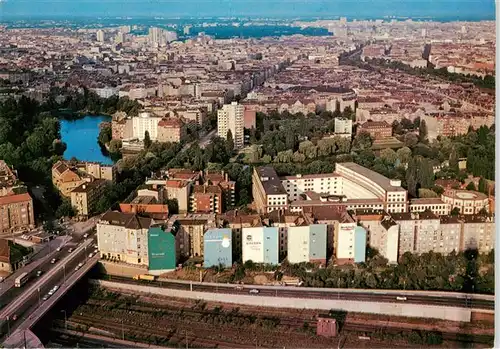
x=14, y=199
x=173, y=123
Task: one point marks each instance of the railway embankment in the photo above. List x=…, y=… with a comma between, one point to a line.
x=395, y=309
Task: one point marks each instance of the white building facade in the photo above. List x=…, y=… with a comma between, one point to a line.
x=231, y=118
x=145, y=122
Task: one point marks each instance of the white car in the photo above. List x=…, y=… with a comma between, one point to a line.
x=55, y=288
x=86, y=235
x=58, y=249
x=90, y=255
x=53, y=261
x=253, y=291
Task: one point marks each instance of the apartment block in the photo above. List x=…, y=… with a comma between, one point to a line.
x=122, y=128
x=283, y=221
x=359, y=182
x=143, y=123
x=16, y=204
x=206, y=199
x=260, y=245
x=85, y=197
x=218, y=248
x=307, y=244
x=228, y=187
x=192, y=228
x=299, y=185
x=171, y=130
x=231, y=118
x=163, y=249
x=267, y=190
x=236, y=222
x=436, y=205
x=382, y=233
x=418, y=232
x=467, y=201
x=147, y=202
x=376, y=129
x=343, y=126
x=124, y=237
x=350, y=243
x=478, y=232
x=97, y=170
x=65, y=178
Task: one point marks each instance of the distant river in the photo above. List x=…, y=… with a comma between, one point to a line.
x=81, y=138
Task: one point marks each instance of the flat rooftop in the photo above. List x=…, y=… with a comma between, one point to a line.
x=382, y=181
x=270, y=181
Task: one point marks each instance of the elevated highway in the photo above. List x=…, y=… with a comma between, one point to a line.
x=29, y=307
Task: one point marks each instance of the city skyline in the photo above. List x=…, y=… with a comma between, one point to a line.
x=443, y=10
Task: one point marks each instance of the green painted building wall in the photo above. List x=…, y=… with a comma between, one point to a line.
x=161, y=249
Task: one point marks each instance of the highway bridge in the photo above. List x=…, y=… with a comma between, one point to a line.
x=30, y=306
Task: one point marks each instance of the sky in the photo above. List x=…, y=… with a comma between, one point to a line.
x=444, y=9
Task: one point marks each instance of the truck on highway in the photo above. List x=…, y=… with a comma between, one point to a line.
x=21, y=280
x=146, y=277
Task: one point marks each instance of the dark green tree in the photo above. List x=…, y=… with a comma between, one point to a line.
x=453, y=161
x=471, y=186
x=482, y=186
x=422, y=132
x=229, y=142
x=147, y=140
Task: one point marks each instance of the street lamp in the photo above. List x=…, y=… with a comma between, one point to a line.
x=65, y=319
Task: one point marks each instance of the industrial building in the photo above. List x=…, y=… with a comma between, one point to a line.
x=218, y=249
x=307, y=244
x=260, y=245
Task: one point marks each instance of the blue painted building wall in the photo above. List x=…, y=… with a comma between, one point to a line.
x=270, y=245
x=218, y=248
x=317, y=242
x=359, y=244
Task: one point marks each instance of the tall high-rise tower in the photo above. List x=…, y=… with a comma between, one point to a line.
x=231, y=118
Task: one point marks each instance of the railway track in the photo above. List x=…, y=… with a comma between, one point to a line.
x=195, y=315
x=193, y=336
x=173, y=312
x=455, y=337
x=466, y=302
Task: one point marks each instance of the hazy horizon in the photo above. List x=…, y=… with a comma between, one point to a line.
x=435, y=9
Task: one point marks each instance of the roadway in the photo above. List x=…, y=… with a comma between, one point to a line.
x=31, y=296
x=41, y=260
x=302, y=292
